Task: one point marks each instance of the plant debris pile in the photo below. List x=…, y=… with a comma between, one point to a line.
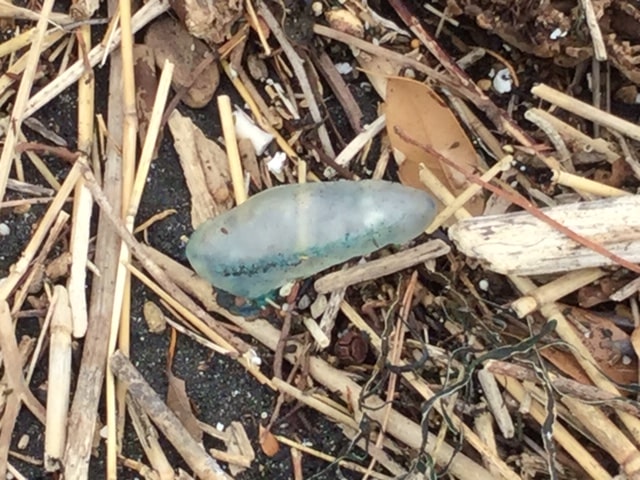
x=500, y=342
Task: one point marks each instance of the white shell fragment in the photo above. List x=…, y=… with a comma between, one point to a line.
x=294, y=231
x=502, y=81
x=245, y=128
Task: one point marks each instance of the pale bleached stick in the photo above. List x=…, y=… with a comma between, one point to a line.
x=555, y=290
x=59, y=379
x=359, y=141
x=202, y=464
x=298, y=68
x=20, y=103
x=575, y=137
x=586, y=111
x=560, y=433
x=599, y=49
x=381, y=267
x=231, y=145
x=148, y=12
x=82, y=202
x=20, y=267
x=451, y=207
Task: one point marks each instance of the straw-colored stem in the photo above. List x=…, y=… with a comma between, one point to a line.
x=555, y=290
x=586, y=111
x=560, y=433
x=586, y=185
x=20, y=267
x=231, y=145
x=17, y=114
x=59, y=379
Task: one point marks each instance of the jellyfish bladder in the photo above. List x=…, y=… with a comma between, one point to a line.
x=294, y=231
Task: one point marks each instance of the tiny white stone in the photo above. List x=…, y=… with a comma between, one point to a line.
x=4, y=229
x=557, y=33
x=264, y=415
x=344, y=68
x=502, y=81
x=317, y=8
x=483, y=284
x=285, y=290
x=220, y=427
x=626, y=360
x=637, y=98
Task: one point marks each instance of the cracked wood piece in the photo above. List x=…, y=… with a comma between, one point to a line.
x=520, y=244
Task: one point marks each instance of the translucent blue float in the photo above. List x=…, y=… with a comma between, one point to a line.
x=295, y=231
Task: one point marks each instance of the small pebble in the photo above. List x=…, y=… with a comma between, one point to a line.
x=502, y=81
x=483, y=284
x=319, y=306
x=4, y=229
x=304, y=302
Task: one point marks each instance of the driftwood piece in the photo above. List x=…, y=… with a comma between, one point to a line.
x=520, y=244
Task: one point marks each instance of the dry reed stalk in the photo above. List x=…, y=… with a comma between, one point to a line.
x=146, y=14
x=149, y=440
x=20, y=102
x=59, y=379
x=581, y=354
x=381, y=267
x=579, y=140
x=564, y=438
x=328, y=458
x=555, y=290
x=301, y=76
x=231, y=145
x=451, y=207
x=192, y=452
x=18, y=391
x=585, y=185
x=20, y=267
x=425, y=390
x=586, y=111
x=131, y=200
x=83, y=414
x=82, y=202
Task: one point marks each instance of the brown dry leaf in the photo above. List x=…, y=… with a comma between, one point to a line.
x=607, y=343
x=178, y=402
x=169, y=40
x=268, y=442
x=421, y=114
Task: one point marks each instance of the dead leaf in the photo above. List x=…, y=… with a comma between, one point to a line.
x=171, y=41
x=608, y=344
x=178, y=402
x=268, y=442
x=421, y=114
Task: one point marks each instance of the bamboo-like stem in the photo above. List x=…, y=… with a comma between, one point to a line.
x=59, y=379
x=586, y=185
x=466, y=195
x=555, y=290
x=82, y=204
x=560, y=433
x=231, y=145
x=203, y=465
x=148, y=12
x=21, y=266
x=20, y=103
x=423, y=389
x=587, y=111
x=581, y=353
x=381, y=267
